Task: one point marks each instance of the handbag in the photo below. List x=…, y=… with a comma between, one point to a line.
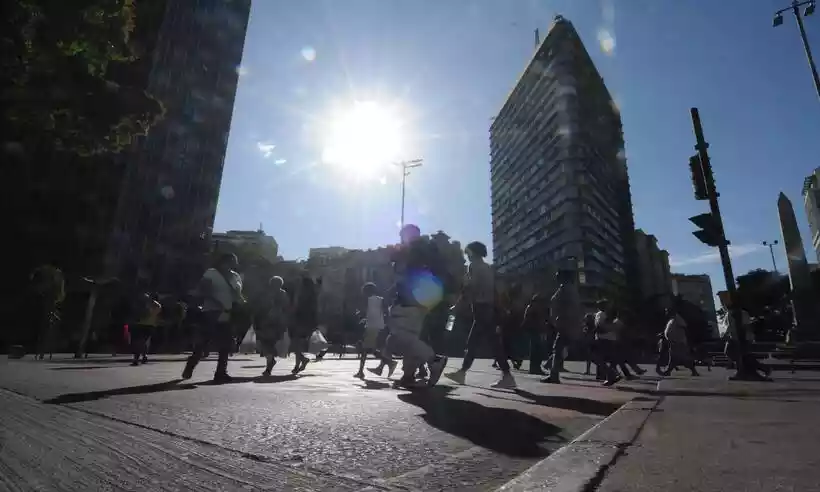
x=317, y=343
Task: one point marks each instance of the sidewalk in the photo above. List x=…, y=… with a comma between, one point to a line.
x=714, y=435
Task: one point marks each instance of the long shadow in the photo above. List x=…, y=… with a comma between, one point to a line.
x=581, y=405
x=173, y=385
x=126, y=359
x=375, y=385
x=277, y=378
x=505, y=431
x=81, y=368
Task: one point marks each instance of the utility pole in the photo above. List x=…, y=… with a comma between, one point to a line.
x=406, y=166
x=713, y=234
x=771, y=246
x=795, y=8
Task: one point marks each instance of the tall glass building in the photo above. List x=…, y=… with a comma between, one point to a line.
x=559, y=182
x=167, y=199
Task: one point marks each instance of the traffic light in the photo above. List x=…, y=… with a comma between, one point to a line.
x=698, y=180
x=710, y=233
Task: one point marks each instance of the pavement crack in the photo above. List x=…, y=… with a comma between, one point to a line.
x=596, y=480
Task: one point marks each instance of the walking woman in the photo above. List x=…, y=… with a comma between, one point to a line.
x=270, y=321
x=480, y=291
x=305, y=321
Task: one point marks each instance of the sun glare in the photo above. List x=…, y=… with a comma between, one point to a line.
x=363, y=140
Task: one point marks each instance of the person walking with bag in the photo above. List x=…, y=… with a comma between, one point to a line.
x=221, y=288
x=305, y=321
x=412, y=261
x=270, y=321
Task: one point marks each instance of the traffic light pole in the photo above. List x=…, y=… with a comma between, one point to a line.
x=723, y=248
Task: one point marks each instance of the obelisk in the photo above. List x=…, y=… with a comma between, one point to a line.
x=805, y=312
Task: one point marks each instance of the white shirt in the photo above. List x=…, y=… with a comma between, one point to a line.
x=375, y=313
x=607, y=330
x=727, y=328
x=675, y=330
x=222, y=295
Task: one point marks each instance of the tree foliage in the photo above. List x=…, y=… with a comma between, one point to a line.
x=69, y=79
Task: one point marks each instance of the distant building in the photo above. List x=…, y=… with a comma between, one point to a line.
x=697, y=289
x=811, y=201
x=245, y=243
x=559, y=182
x=654, y=270
x=326, y=254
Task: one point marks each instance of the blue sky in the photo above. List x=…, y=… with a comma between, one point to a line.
x=450, y=65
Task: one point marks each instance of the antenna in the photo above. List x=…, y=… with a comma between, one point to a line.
x=537, y=39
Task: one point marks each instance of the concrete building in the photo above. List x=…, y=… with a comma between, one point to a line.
x=697, y=289
x=168, y=195
x=654, y=270
x=559, y=182
x=255, y=243
x=811, y=201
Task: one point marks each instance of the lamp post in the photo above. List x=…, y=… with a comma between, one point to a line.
x=406, y=166
x=795, y=8
x=771, y=246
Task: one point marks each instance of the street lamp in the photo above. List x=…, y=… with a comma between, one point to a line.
x=771, y=246
x=795, y=8
x=406, y=166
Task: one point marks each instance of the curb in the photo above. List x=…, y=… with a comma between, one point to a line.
x=579, y=466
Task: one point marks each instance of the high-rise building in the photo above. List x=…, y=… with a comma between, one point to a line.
x=654, y=270
x=167, y=199
x=559, y=182
x=811, y=200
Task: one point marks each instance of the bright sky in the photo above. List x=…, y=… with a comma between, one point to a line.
x=441, y=70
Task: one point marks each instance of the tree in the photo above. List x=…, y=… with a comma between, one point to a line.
x=69, y=77
x=761, y=290
x=764, y=295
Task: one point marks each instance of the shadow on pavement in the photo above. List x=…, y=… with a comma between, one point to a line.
x=126, y=359
x=81, y=368
x=173, y=385
x=581, y=405
x=502, y=430
x=375, y=385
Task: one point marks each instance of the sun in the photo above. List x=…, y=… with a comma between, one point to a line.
x=363, y=139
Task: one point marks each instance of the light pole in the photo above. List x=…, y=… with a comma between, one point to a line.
x=795, y=8
x=406, y=166
x=771, y=246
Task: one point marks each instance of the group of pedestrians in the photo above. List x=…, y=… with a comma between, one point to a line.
x=285, y=320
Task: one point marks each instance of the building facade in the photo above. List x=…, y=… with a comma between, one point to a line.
x=559, y=182
x=811, y=202
x=654, y=270
x=247, y=243
x=167, y=199
x=697, y=289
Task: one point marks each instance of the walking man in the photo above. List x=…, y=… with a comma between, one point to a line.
x=221, y=288
x=567, y=318
x=479, y=289
x=413, y=262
